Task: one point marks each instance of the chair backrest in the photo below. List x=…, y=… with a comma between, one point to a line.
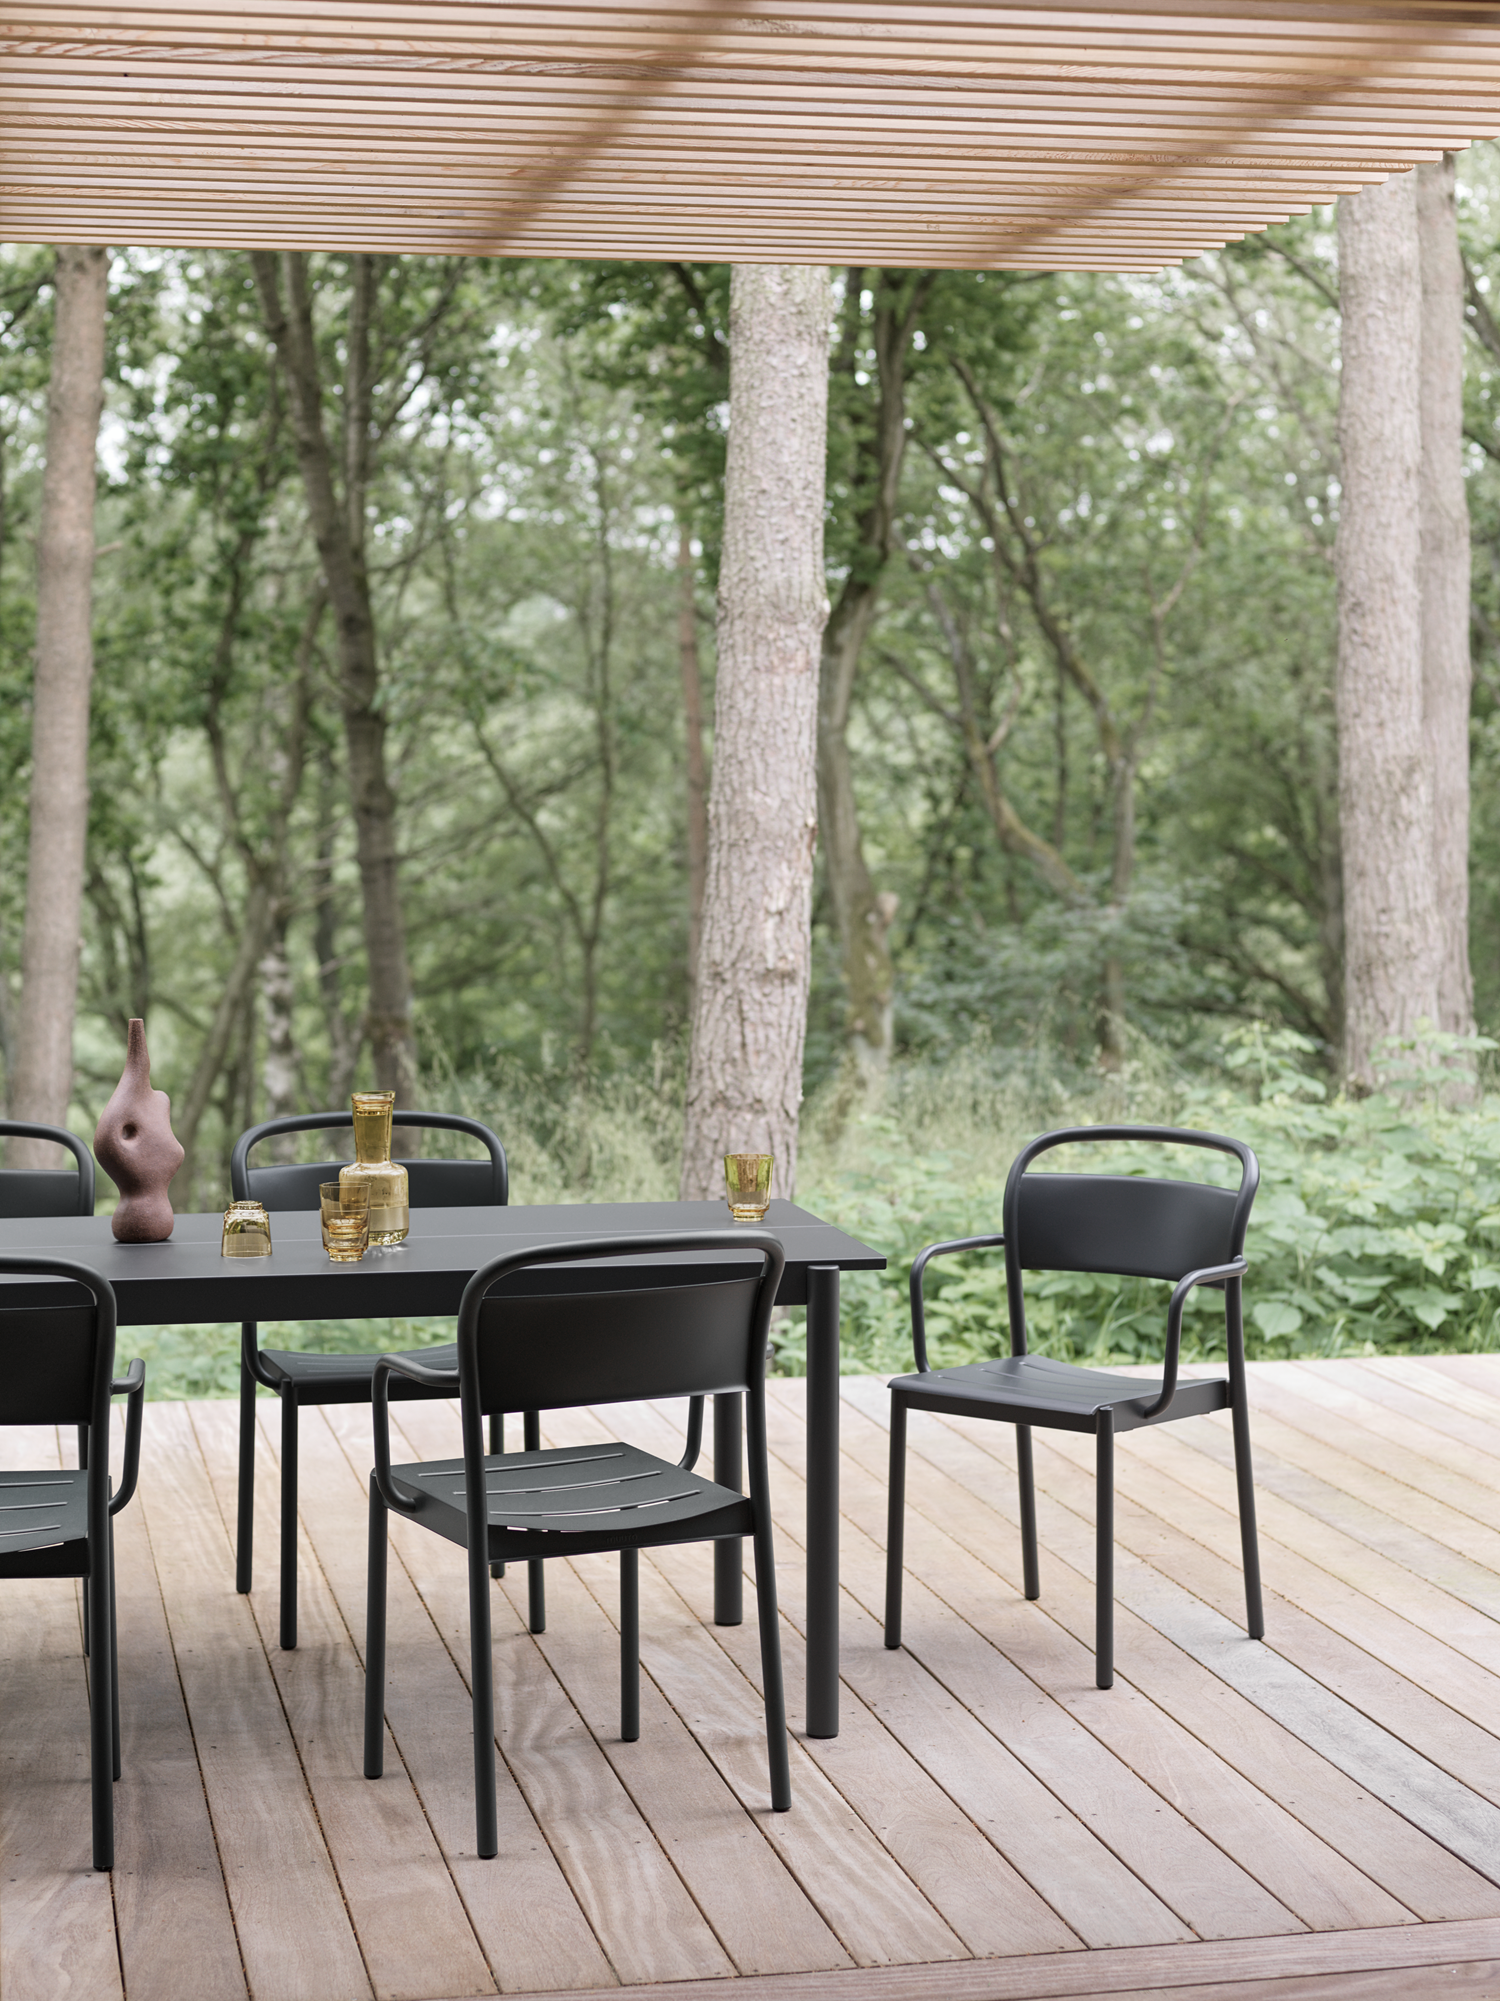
x=47, y=1191
x=562, y=1348
x=1122, y=1223
x=57, y=1362
x=434, y=1184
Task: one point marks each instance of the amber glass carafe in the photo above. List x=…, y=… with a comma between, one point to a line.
x=390, y=1214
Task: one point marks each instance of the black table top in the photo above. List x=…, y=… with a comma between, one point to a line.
x=186, y=1279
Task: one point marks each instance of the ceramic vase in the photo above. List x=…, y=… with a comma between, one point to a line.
x=135, y=1145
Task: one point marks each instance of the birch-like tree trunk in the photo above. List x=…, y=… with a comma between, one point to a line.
x=1447, y=676
x=43, y=1080
x=750, y=1017
x=1391, y=931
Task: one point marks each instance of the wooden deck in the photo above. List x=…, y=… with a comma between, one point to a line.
x=1316, y=1815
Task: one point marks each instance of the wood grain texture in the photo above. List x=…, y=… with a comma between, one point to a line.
x=1320, y=1809
x=1045, y=138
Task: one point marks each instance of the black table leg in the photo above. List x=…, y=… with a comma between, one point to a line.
x=729, y=1559
x=823, y=1501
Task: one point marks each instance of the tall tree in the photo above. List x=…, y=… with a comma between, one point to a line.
x=862, y=913
x=42, y=1083
x=339, y=529
x=697, y=762
x=1392, y=941
x=1447, y=676
x=750, y=1013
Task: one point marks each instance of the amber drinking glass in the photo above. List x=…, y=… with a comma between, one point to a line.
x=247, y=1231
x=346, y=1219
x=747, y=1180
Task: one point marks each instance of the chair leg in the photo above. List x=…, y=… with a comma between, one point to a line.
x=497, y=1446
x=1255, y=1615
x=895, y=1531
x=482, y=1683
x=289, y=1517
x=83, y=1464
x=244, y=1531
x=536, y=1576
x=377, y=1561
x=630, y=1646
x=1104, y=1555
x=114, y=1657
x=1031, y=1574
x=99, y=1589
x=770, y=1661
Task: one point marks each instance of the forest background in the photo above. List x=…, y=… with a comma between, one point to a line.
x=1078, y=776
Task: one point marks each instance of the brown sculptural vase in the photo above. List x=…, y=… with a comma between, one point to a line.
x=135, y=1145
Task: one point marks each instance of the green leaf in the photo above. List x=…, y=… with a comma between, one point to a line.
x=1274, y=1318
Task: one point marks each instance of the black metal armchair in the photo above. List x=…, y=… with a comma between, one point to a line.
x=1185, y=1232
x=557, y=1351
x=57, y=1367
x=299, y=1379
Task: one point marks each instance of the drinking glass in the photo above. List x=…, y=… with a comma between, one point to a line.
x=247, y=1231
x=747, y=1179
x=346, y=1219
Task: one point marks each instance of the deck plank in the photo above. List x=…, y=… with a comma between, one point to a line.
x=1323, y=1809
x=402, y=1901
x=1307, y=1880
x=57, y=1929
x=176, y=1929
x=1191, y=1599
x=294, y=1930
x=527, y=1920
x=634, y=1899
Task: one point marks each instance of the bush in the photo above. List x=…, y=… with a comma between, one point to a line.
x=1376, y=1230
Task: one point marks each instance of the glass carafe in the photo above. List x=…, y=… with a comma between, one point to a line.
x=390, y=1214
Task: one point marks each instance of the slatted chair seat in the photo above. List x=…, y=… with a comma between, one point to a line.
x=320, y=1379
x=297, y=1378
x=1186, y=1233
x=1034, y=1389
x=556, y=1352
x=571, y=1502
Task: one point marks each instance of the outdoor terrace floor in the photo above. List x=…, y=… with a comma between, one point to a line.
x=1316, y=1815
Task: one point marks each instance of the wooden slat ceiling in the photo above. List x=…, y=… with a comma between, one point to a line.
x=997, y=136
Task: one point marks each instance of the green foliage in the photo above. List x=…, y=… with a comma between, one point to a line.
x=1376, y=1229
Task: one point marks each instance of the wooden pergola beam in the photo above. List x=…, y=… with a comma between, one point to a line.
x=994, y=136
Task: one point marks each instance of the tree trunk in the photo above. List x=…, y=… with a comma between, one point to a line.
x=697, y=766
x=279, y=1066
x=339, y=533
x=1446, y=673
x=862, y=914
x=1385, y=791
x=745, y=1067
x=43, y=1081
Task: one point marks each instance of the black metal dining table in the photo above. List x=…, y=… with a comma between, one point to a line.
x=186, y=1281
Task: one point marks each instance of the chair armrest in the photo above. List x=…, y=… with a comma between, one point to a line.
x=387, y=1366
x=919, y=1267
x=132, y=1385
x=1210, y=1275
